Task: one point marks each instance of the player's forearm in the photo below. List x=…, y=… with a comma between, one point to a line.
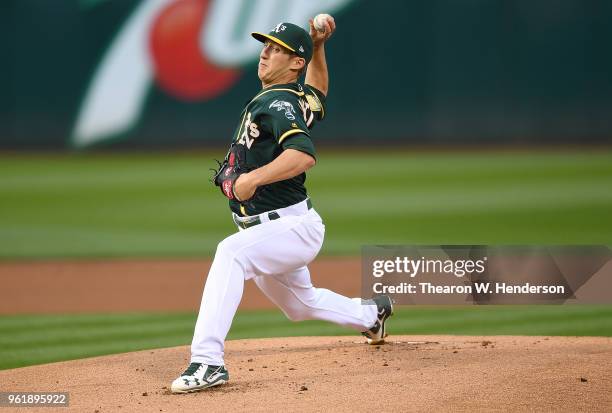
x=290, y=163
x=316, y=73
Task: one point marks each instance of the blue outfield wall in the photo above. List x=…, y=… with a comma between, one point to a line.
x=116, y=73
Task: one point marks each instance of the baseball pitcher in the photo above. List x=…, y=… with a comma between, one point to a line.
x=279, y=231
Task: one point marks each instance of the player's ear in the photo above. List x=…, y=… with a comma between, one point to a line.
x=298, y=63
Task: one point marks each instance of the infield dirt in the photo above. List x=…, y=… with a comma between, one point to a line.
x=138, y=285
x=418, y=373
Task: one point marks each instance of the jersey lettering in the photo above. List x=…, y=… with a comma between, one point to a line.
x=253, y=130
x=249, y=128
x=306, y=112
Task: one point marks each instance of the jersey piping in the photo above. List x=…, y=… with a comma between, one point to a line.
x=289, y=133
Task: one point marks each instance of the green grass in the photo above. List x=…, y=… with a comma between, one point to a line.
x=126, y=205
x=35, y=339
x=156, y=205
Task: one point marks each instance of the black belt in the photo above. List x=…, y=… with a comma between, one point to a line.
x=272, y=215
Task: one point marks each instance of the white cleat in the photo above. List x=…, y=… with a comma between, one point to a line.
x=199, y=376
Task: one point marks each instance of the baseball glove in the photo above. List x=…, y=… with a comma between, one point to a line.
x=230, y=169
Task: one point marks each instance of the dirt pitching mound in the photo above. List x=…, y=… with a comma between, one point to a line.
x=417, y=373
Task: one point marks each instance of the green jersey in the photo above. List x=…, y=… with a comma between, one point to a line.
x=279, y=117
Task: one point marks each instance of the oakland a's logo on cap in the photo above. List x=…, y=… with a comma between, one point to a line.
x=279, y=28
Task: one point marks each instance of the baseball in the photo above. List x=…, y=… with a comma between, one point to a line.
x=319, y=21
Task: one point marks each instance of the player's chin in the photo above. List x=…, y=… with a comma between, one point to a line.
x=261, y=72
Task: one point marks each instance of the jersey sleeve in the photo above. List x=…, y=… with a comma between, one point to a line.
x=316, y=102
x=284, y=118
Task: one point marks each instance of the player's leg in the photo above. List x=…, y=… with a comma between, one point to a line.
x=295, y=295
x=237, y=258
x=274, y=247
x=222, y=294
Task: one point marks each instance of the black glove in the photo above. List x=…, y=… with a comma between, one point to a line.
x=230, y=169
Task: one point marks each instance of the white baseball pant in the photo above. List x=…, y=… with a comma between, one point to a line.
x=274, y=253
